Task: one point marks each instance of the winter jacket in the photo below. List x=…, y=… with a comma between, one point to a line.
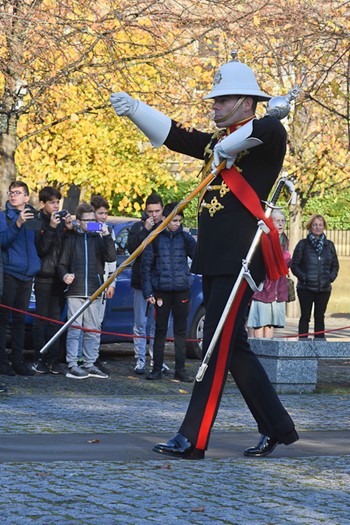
x=1, y=277
x=49, y=242
x=164, y=265
x=20, y=257
x=85, y=255
x=137, y=234
x=315, y=272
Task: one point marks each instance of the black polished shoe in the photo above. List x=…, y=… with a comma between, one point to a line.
x=179, y=447
x=265, y=446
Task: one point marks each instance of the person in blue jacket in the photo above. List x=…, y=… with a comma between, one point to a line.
x=20, y=264
x=2, y=387
x=166, y=280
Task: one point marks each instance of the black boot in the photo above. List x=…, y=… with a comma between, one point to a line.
x=6, y=369
x=155, y=374
x=22, y=369
x=182, y=375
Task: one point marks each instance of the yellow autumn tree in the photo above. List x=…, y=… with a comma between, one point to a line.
x=60, y=61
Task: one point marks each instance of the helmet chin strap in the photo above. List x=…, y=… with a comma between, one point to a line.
x=232, y=112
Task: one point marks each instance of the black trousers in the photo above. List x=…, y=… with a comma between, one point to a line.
x=319, y=300
x=232, y=353
x=16, y=294
x=177, y=303
x=49, y=303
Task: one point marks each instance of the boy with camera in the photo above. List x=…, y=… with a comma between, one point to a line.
x=20, y=263
x=81, y=267
x=54, y=228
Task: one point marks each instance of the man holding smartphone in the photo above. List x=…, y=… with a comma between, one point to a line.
x=81, y=267
x=55, y=225
x=20, y=263
x=143, y=312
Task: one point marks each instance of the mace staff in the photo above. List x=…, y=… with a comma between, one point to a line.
x=152, y=235
x=278, y=107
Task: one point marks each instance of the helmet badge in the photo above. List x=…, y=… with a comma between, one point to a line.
x=217, y=78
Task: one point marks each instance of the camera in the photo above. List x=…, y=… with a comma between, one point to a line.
x=94, y=226
x=62, y=213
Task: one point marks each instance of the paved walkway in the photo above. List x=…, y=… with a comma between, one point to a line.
x=79, y=452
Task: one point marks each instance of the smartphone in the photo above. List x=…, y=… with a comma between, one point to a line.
x=36, y=214
x=35, y=222
x=94, y=226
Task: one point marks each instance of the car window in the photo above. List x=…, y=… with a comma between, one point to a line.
x=122, y=240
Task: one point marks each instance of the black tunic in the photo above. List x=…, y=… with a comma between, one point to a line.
x=225, y=235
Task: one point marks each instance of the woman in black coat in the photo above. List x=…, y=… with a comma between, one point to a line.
x=315, y=264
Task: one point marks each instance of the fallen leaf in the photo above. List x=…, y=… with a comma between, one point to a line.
x=166, y=467
x=93, y=441
x=182, y=391
x=198, y=509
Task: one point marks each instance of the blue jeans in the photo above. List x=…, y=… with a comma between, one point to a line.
x=90, y=318
x=143, y=316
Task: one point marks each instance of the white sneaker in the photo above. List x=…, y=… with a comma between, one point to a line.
x=93, y=371
x=140, y=367
x=165, y=369
x=76, y=372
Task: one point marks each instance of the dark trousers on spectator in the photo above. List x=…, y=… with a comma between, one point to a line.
x=49, y=303
x=319, y=300
x=177, y=303
x=16, y=294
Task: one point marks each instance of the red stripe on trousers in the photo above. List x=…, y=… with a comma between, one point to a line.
x=220, y=368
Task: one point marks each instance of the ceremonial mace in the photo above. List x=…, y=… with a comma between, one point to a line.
x=278, y=107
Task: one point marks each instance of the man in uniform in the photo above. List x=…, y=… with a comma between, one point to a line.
x=253, y=150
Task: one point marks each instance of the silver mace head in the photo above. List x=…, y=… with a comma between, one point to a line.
x=280, y=106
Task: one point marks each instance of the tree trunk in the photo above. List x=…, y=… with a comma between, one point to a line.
x=295, y=234
x=8, y=144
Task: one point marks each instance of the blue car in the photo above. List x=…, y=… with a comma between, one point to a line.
x=119, y=315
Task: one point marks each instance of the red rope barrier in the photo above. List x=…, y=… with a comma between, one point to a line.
x=92, y=330
x=131, y=336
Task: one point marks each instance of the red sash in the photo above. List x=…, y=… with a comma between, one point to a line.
x=271, y=247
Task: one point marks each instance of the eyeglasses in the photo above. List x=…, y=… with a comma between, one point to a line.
x=87, y=220
x=16, y=192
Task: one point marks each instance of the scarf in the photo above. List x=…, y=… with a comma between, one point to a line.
x=316, y=242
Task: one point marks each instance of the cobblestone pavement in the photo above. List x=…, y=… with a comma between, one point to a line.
x=232, y=490
x=274, y=492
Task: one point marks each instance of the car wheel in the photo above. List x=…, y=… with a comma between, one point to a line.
x=194, y=349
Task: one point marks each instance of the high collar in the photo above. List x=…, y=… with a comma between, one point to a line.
x=239, y=124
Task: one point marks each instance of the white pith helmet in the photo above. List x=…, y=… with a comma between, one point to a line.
x=235, y=78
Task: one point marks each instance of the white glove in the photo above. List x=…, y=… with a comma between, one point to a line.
x=123, y=104
x=219, y=155
x=154, y=124
x=228, y=148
